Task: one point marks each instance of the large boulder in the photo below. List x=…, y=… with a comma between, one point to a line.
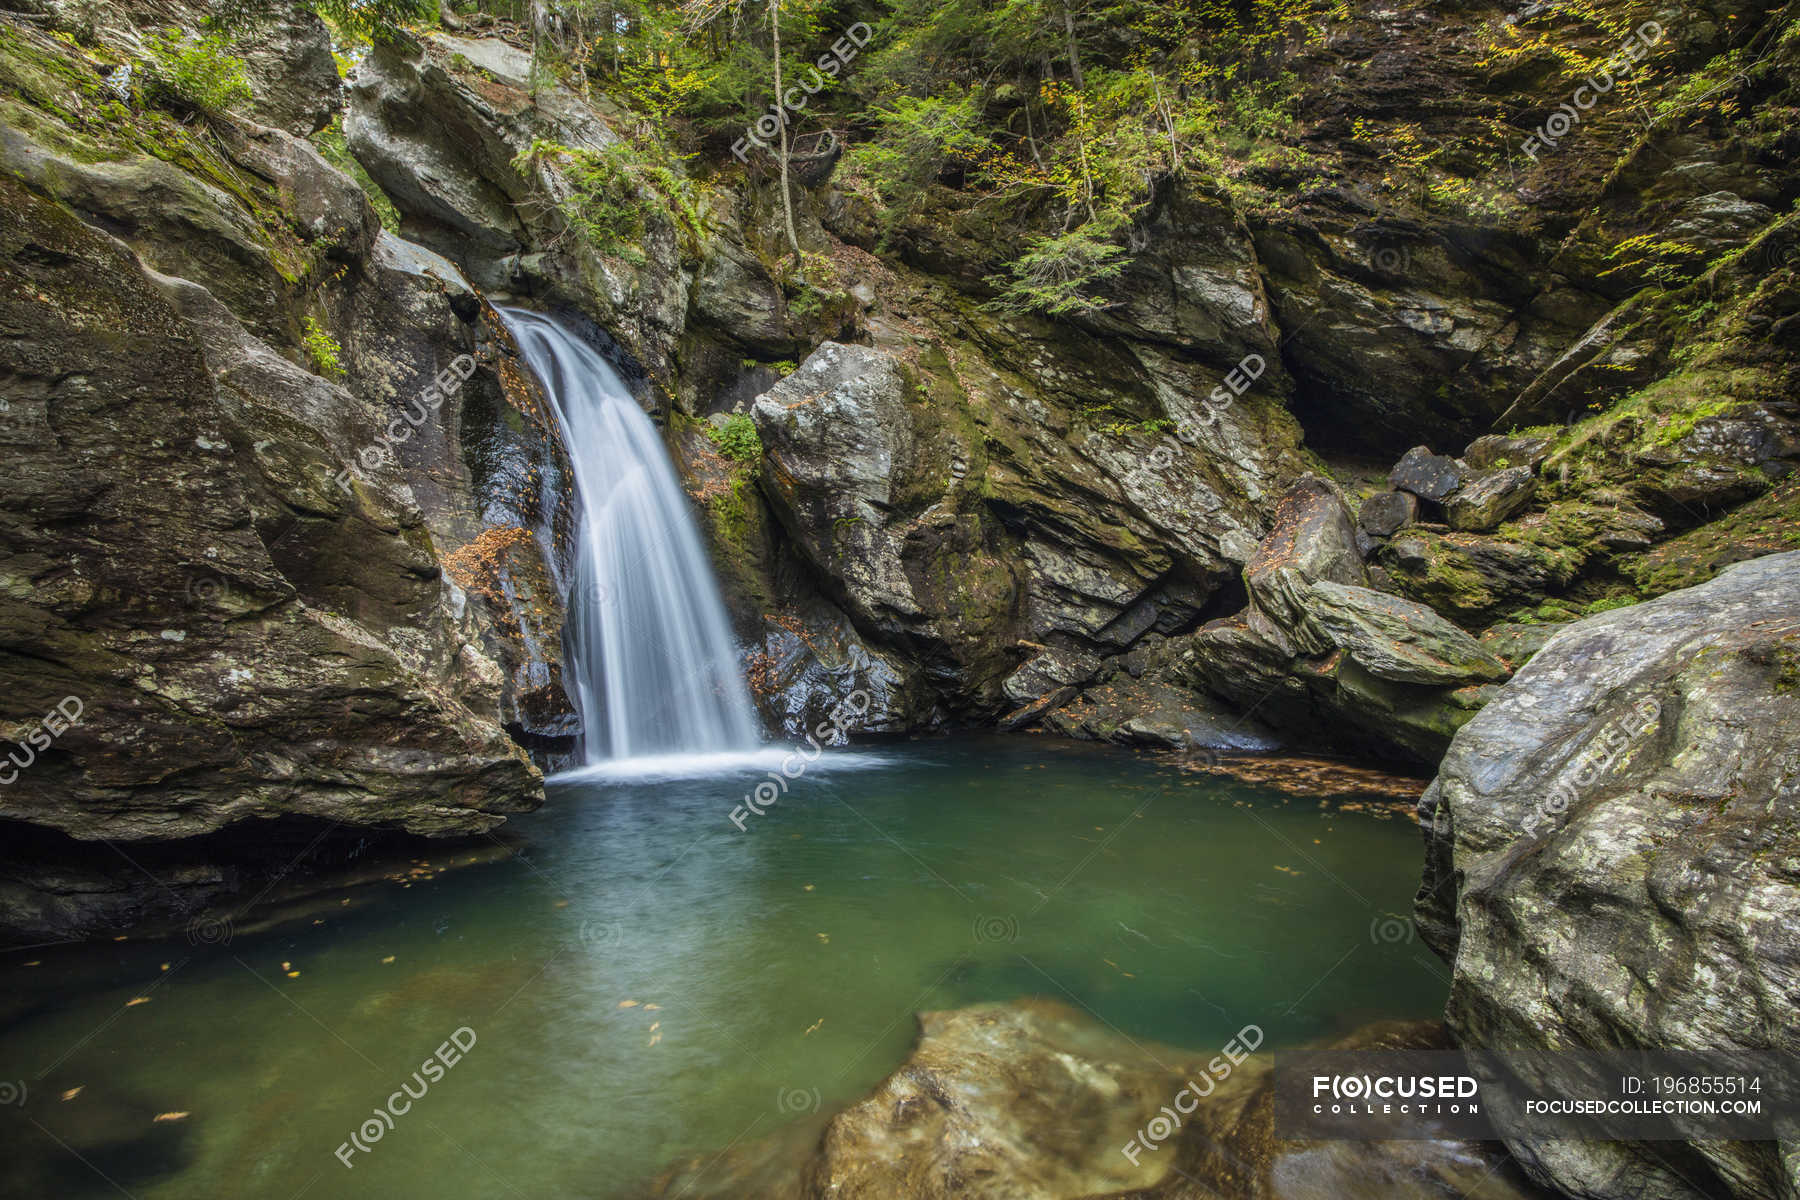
x=1396, y=639
x=855, y=471
x=1426, y=475
x=1489, y=497
x=1610, y=849
x=293, y=76
x=1035, y=1100
x=1313, y=539
x=1386, y=513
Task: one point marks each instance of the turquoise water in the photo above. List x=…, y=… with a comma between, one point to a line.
x=644, y=983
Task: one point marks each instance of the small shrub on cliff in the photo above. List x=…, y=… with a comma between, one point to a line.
x=737, y=438
x=610, y=192
x=200, y=75
x=322, y=348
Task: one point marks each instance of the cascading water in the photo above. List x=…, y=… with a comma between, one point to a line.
x=648, y=647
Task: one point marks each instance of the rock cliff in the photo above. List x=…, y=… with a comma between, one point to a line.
x=1610, y=859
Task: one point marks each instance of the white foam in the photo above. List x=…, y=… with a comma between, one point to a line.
x=699, y=766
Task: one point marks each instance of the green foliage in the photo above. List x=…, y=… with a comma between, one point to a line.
x=330, y=144
x=611, y=193
x=916, y=139
x=355, y=20
x=737, y=438
x=201, y=75
x=1059, y=275
x=322, y=348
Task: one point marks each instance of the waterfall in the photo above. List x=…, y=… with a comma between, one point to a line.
x=647, y=644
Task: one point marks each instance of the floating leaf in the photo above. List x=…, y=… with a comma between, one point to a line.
x=170, y=1116
x=72, y=1093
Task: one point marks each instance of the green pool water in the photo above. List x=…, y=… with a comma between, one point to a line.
x=644, y=983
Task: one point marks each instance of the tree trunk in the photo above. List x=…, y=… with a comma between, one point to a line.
x=787, y=200
x=1162, y=110
x=1074, y=51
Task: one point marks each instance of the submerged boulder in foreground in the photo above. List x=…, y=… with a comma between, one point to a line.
x=1036, y=1100
x=1613, y=845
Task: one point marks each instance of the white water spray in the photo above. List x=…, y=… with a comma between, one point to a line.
x=647, y=643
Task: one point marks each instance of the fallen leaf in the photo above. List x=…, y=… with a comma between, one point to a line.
x=293, y=974
x=562, y=904
x=287, y=966
x=652, y=1007
x=137, y=1000
x=628, y=1004
x=165, y=966
x=170, y=1116
x=72, y=1093
x=388, y=959
x=825, y=938
x=814, y=1026
x=655, y=1038
x=807, y=888
x=655, y=1025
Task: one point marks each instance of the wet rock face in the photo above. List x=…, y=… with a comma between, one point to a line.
x=964, y=525
x=147, y=531
x=1610, y=849
x=293, y=77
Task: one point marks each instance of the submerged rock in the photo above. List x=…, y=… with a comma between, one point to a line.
x=1610, y=851
x=1035, y=1100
